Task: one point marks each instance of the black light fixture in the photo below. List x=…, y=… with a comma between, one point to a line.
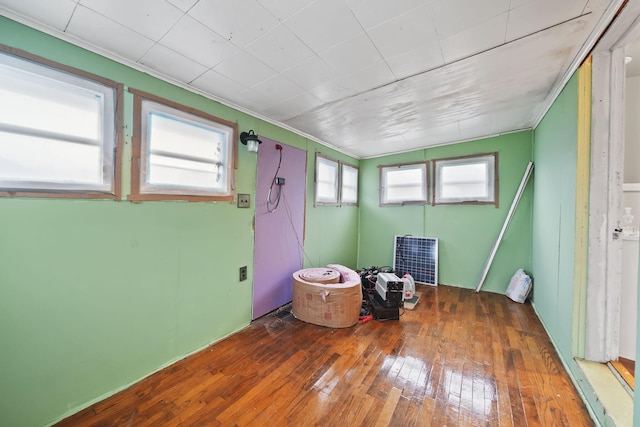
x=250, y=139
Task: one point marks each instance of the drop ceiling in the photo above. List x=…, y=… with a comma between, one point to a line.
x=367, y=77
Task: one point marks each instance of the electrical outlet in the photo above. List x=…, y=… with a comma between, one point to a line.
x=244, y=200
x=243, y=273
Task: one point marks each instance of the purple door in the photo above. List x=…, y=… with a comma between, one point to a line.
x=279, y=224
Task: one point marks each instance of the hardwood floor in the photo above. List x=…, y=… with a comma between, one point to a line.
x=458, y=359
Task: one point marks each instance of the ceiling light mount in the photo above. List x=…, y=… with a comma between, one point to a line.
x=250, y=139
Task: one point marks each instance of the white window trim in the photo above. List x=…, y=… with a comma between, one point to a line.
x=490, y=159
x=108, y=139
x=423, y=200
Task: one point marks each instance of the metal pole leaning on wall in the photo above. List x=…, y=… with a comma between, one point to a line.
x=512, y=210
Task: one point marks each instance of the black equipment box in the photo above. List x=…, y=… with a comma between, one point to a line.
x=381, y=312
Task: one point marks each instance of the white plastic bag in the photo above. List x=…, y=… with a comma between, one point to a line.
x=519, y=286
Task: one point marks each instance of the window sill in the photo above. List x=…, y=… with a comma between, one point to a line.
x=616, y=401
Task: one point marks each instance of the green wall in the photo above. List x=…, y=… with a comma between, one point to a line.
x=96, y=294
x=554, y=212
x=466, y=233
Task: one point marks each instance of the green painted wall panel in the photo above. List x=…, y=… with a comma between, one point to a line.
x=554, y=216
x=466, y=233
x=96, y=294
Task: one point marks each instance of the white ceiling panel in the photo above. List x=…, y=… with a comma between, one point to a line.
x=477, y=85
x=277, y=89
x=240, y=22
x=368, y=77
x=283, y=9
x=352, y=55
x=452, y=17
x=376, y=75
x=222, y=86
x=199, y=43
x=293, y=106
x=150, y=18
x=417, y=61
x=537, y=15
x=371, y=14
x=487, y=35
x=404, y=33
x=323, y=24
x=172, y=64
x=183, y=5
x=53, y=13
x=311, y=73
x=279, y=48
x=245, y=69
x=107, y=34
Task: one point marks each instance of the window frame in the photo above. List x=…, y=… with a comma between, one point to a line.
x=462, y=160
x=357, y=169
x=426, y=184
x=136, y=194
x=115, y=142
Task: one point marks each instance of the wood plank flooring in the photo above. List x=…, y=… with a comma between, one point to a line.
x=458, y=359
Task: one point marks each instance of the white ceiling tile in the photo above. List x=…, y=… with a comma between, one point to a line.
x=489, y=34
x=240, y=22
x=277, y=89
x=150, y=18
x=101, y=31
x=371, y=77
x=333, y=90
x=352, y=55
x=220, y=86
x=279, y=48
x=420, y=60
x=292, y=107
x=170, y=63
x=370, y=14
x=404, y=33
x=183, y=5
x=283, y=9
x=537, y=15
x=311, y=73
x=196, y=41
x=245, y=69
x=54, y=13
x=323, y=24
x=451, y=17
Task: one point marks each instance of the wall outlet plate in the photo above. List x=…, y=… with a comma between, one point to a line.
x=244, y=200
x=243, y=273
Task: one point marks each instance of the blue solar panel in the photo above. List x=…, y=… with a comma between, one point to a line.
x=417, y=256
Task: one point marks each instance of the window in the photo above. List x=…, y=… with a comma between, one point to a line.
x=348, y=184
x=326, y=180
x=57, y=130
x=403, y=184
x=180, y=153
x=470, y=179
x=336, y=182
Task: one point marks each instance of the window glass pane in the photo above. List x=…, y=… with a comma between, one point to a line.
x=32, y=159
x=184, y=154
x=57, y=129
x=465, y=181
x=405, y=183
x=326, y=180
x=44, y=104
x=469, y=179
x=349, y=184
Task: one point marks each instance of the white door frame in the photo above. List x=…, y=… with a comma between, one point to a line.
x=604, y=276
